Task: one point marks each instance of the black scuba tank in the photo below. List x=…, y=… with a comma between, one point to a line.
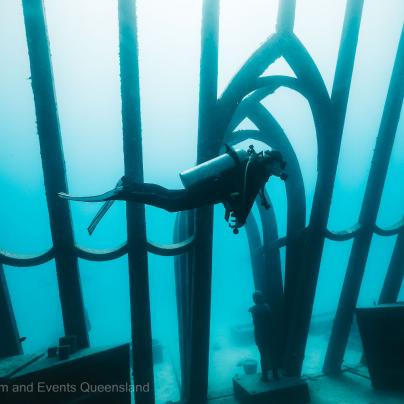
x=214, y=170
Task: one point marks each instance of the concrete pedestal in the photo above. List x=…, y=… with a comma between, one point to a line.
x=249, y=389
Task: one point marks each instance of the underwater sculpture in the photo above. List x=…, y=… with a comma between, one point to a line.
x=265, y=336
x=234, y=178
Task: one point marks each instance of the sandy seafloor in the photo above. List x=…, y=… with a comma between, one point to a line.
x=226, y=355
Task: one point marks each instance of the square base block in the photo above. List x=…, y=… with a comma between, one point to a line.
x=249, y=389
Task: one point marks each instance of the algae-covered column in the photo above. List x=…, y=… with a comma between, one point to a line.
x=54, y=171
x=9, y=338
x=207, y=148
x=135, y=212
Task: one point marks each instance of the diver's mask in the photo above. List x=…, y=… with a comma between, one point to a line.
x=275, y=164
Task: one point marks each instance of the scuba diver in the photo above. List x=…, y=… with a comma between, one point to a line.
x=234, y=178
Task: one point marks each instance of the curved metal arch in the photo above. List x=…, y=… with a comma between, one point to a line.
x=101, y=255
x=272, y=256
x=343, y=235
x=244, y=82
x=313, y=88
x=20, y=260
x=351, y=232
x=300, y=262
x=256, y=250
x=272, y=134
x=309, y=82
x=166, y=250
x=390, y=230
x=296, y=199
x=170, y=250
x=265, y=86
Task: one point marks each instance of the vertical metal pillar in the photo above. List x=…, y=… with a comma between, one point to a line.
x=135, y=213
x=305, y=287
x=370, y=207
x=256, y=250
x=202, y=273
x=184, y=228
x=395, y=272
x=271, y=285
x=345, y=62
x=286, y=16
x=53, y=165
x=9, y=344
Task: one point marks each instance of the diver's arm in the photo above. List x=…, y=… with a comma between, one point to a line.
x=264, y=200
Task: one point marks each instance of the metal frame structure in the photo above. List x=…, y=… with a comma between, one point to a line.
x=192, y=248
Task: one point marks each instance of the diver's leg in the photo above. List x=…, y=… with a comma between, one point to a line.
x=172, y=200
x=150, y=194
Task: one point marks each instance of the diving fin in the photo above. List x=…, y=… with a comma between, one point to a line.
x=108, y=198
x=100, y=214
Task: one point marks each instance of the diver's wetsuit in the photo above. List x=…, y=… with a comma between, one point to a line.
x=172, y=200
x=237, y=189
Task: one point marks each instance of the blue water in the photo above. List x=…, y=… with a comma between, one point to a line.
x=84, y=44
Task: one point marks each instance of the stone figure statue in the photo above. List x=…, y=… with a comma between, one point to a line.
x=265, y=336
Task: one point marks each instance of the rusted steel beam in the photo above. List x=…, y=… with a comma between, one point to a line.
x=395, y=272
x=9, y=337
x=202, y=271
x=184, y=227
x=135, y=213
x=286, y=16
x=370, y=207
x=53, y=165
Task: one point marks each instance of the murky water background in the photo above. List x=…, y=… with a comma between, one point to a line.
x=84, y=43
